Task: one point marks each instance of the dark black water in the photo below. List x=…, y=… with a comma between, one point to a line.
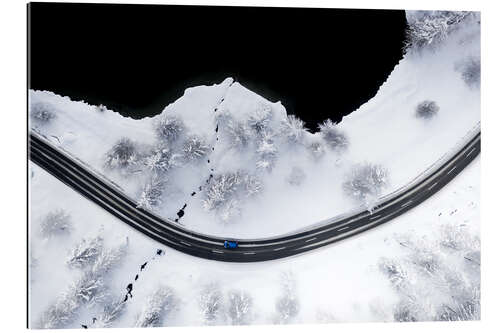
x=136, y=59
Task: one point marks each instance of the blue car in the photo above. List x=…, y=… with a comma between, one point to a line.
x=230, y=244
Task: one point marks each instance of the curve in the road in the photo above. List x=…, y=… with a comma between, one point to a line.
x=107, y=196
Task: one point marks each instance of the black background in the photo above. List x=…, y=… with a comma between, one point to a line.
x=136, y=59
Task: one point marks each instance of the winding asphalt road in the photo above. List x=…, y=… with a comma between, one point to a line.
x=169, y=233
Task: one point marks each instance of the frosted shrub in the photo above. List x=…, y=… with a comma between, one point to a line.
x=429, y=29
x=365, y=182
x=157, y=306
x=287, y=305
x=85, y=253
x=194, y=148
x=42, y=113
x=122, y=155
x=239, y=308
x=168, y=128
x=293, y=129
x=56, y=223
x=470, y=71
x=210, y=302
x=333, y=137
x=426, y=109
x=151, y=193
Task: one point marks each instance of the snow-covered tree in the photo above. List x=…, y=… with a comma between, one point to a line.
x=293, y=128
x=61, y=313
x=85, y=253
x=458, y=239
x=33, y=260
x=122, y=155
x=157, y=306
x=110, y=313
x=41, y=112
x=88, y=290
x=239, y=307
x=325, y=316
x=395, y=272
x=56, y=223
x=365, y=182
x=160, y=160
x=168, y=128
x=237, y=134
x=259, y=119
x=427, y=29
x=210, y=302
x=267, y=152
x=221, y=195
x=426, y=109
x=252, y=185
x=194, y=148
x=436, y=279
x=333, y=137
x=287, y=305
x=110, y=258
x=220, y=190
x=470, y=71
x=152, y=192
x=226, y=191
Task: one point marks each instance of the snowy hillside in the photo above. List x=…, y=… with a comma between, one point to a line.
x=256, y=166
x=224, y=161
